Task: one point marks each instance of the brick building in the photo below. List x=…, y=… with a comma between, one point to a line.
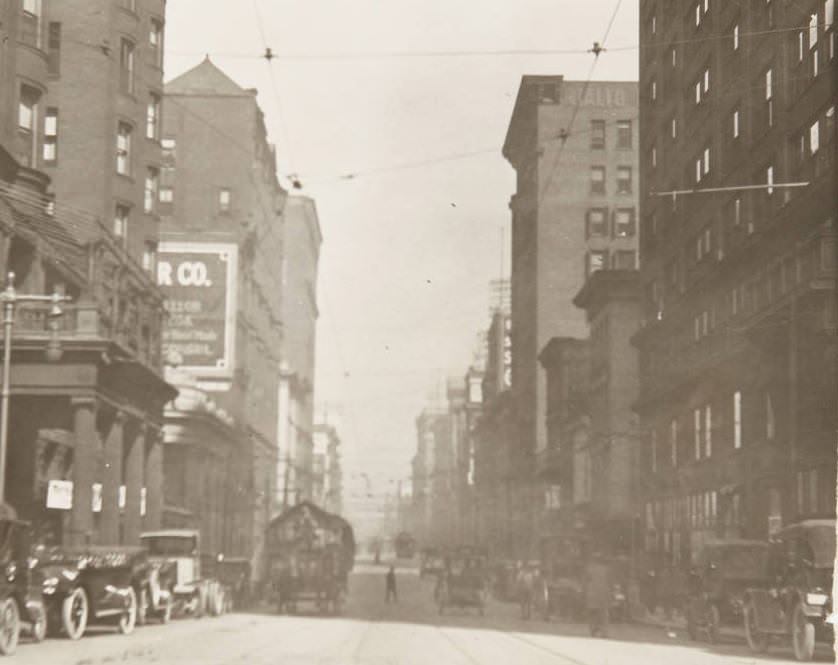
x=738, y=351
x=573, y=213
x=223, y=207
x=84, y=456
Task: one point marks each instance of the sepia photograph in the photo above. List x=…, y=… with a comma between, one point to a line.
x=418, y=332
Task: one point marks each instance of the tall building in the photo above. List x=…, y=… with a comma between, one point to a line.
x=330, y=480
x=301, y=241
x=85, y=460
x=738, y=350
x=220, y=266
x=574, y=149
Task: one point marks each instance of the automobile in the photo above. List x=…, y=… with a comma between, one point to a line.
x=22, y=607
x=463, y=583
x=153, y=585
x=433, y=564
x=191, y=592
x=794, y=602
x=722, y=571
x=91, y=584
x=234, y=574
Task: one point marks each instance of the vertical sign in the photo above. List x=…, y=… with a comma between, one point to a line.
x=199, y=282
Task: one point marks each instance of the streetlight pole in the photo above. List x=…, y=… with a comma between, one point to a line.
x=10, y=299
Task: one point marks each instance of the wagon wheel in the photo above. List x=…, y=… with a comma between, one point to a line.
x=38, y=631
x=74, y=613
x=802, y=634
x=128, y=619
x=9, y=626
x=757, y=641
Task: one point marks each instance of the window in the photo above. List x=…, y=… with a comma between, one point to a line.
x=54, y=48
x=597, y=225
x=654, y=451
x=150, y=256
x=697, y=432
x=769, y=180
x=597, y=180
x=702, y=86
x=152, y=184
x=735, y=36
x=769, y=96
x=708, y=431
x=624, y=180
x=735, y=123
x=653, y=90
x=673, y=57
x=597, y=134
x=126, y=66
x=152, y=126
x=624, y=134
x=169, y=146
x=737, y=419
x=624, y=223
x=625, y=259
x=120, y=222
x=27, y=121
x=123, y=148
x=167, y=184
x=654, y=24
x=155, y=41
x=30, y=23
x=814, y=137
x=770, y=418
x=673, y=442
x=50, y=152
x=225, y=200
x=653, y=157
x=673, y=125
x=596, y=261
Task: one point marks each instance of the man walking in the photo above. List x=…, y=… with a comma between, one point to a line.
x=391, y=586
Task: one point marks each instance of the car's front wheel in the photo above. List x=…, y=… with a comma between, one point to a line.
x=9, y=626
x=757, y=640
x=128, y=619
x=74, y=613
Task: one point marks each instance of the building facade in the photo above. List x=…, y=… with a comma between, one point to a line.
x=330, y=479
x=738, y=347
x=221, y=268
x=574, y=149
x=85, y=460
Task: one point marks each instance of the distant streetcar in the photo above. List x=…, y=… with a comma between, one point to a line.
x=405, y=546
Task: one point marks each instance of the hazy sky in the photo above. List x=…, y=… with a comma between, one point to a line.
x=408, y=251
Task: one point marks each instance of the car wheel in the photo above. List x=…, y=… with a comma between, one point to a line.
x=9, y=626
x=128, y=619
x=757, y=641
x=74, y=613
x=802, y=635
x=166, y=614
x=39, y=622
x=713, y=624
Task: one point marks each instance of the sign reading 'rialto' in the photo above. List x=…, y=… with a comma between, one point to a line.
x=199, y=281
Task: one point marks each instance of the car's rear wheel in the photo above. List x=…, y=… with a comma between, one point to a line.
x=74, y=613
x=128, y=619
x=757, y=640
x=9, y=626
x=802, y=635
x=39, y=622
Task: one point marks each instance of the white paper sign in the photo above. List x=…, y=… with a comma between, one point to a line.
x=96, y=498
x=60, y=494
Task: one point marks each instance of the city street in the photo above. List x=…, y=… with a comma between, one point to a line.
x=371, y=632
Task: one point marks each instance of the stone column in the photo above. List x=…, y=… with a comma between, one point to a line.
x=112, y=481
x=134, y=477
x=85, y=458
x=154, y=480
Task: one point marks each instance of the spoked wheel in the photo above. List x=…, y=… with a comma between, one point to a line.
x=802, y=635
x=38, y=631
x=9, y=626
x=74, y=613
x=128, y=619
x=757, y=641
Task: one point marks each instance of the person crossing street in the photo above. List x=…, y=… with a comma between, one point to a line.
x=390, y=593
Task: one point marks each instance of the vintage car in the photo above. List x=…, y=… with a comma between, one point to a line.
x=432, y=564
x=565, y=593
x=463, y=582
x=795, y=599
x=191, y=592
x=21, y=601
x=91, y=584
x=233, y=573
x=310, y=554
x=721, y=573
x=153, y=585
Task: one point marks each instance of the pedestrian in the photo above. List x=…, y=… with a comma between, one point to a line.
x=597, y=595
x=391, y=586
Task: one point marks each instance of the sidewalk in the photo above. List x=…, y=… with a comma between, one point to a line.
x=678, y=624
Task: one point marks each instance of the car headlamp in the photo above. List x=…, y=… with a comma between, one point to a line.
x=817, y=599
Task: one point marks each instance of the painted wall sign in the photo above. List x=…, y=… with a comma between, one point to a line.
x=199, y=281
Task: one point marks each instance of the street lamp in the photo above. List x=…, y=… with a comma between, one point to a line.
x=10, y=299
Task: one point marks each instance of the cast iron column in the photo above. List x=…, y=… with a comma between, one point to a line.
x=85, y=454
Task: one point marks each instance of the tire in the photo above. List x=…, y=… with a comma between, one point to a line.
x=142, y=607
x=802, y=635
x=75, y=610
x=128, y=620
x=713, y=624
x=9, y=626
x=38, y=631
x=757, y=641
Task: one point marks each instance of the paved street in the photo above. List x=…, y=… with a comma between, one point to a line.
x=370, y=632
